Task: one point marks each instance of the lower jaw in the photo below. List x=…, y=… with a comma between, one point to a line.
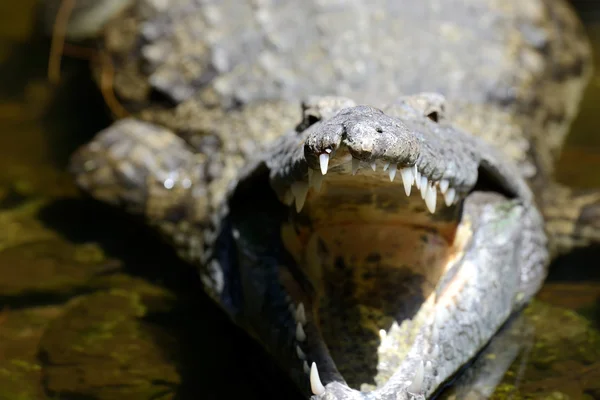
x=367, y=309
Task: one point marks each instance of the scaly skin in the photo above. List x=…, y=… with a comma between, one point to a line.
x=512, y=72
x=231, y=76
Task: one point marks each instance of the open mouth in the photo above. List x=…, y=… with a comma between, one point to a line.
x=373, y=241
x=385, y=253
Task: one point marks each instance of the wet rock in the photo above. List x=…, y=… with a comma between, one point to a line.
x=103, y=347
x=20, y=370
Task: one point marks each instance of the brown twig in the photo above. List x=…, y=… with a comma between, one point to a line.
x=107, y=75
x=59, y=31
x=59, y=48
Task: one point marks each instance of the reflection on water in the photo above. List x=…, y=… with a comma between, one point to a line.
x=89, y=311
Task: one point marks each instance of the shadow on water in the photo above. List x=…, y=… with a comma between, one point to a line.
x=216, y=359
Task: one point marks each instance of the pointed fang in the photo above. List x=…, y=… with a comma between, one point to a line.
x=355, y=165
x=392, y=172
x=444, y=184
x=299, y=190
x=324, y=161
x=315, y=382
x=408, y=179
x=417, y=384
x=423, y=186
x=449, y=196
x=301, y=314
x=374, y=166
x=300, y=353
x=431, y=198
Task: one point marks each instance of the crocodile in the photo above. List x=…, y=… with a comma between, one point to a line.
x=365, y=187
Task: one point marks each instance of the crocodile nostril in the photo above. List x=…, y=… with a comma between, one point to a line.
x=379, y=129
x=433, y=116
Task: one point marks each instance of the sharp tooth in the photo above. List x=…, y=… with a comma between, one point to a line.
x=428, y=368
x=417, y=177
x=386, y=166
x=449, y=196
x=417, y=383
x=300, y=335
x=300, y=353
x=324, y=161
x=355, y=165
x=374, y=166
x=423, y=186
x=435, y=352
x=444, y=185
x=306, y=367
x=315, y=382
x=431, y=198
x=392, y=172
x=408, y=178
x=299, y=190
x=301, y=314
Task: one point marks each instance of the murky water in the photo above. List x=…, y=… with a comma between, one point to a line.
x=88, y=309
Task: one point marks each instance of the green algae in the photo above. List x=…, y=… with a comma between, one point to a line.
x=101, y=347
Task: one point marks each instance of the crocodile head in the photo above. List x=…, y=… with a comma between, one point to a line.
x=400, y=245
x=372, y=253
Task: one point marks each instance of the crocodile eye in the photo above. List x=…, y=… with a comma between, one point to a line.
x=433, y=116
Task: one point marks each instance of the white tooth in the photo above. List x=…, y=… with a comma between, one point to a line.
x=449, y=196
x=324, y=161
x=301, y=314
x=374, y=166
x=300, y=335
x=355, y=165
x=386, y=166
x=444, y=185
x=306, y=368
x=431, y=198
x=417, y=177
x=435, y=352
x=317, y=180
x=392, y=172
x=417, y=383
x=408, y=179
x=423, y=186
x=428, y=368
x=299, y=190
x=300, y=353
x=315, y=382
